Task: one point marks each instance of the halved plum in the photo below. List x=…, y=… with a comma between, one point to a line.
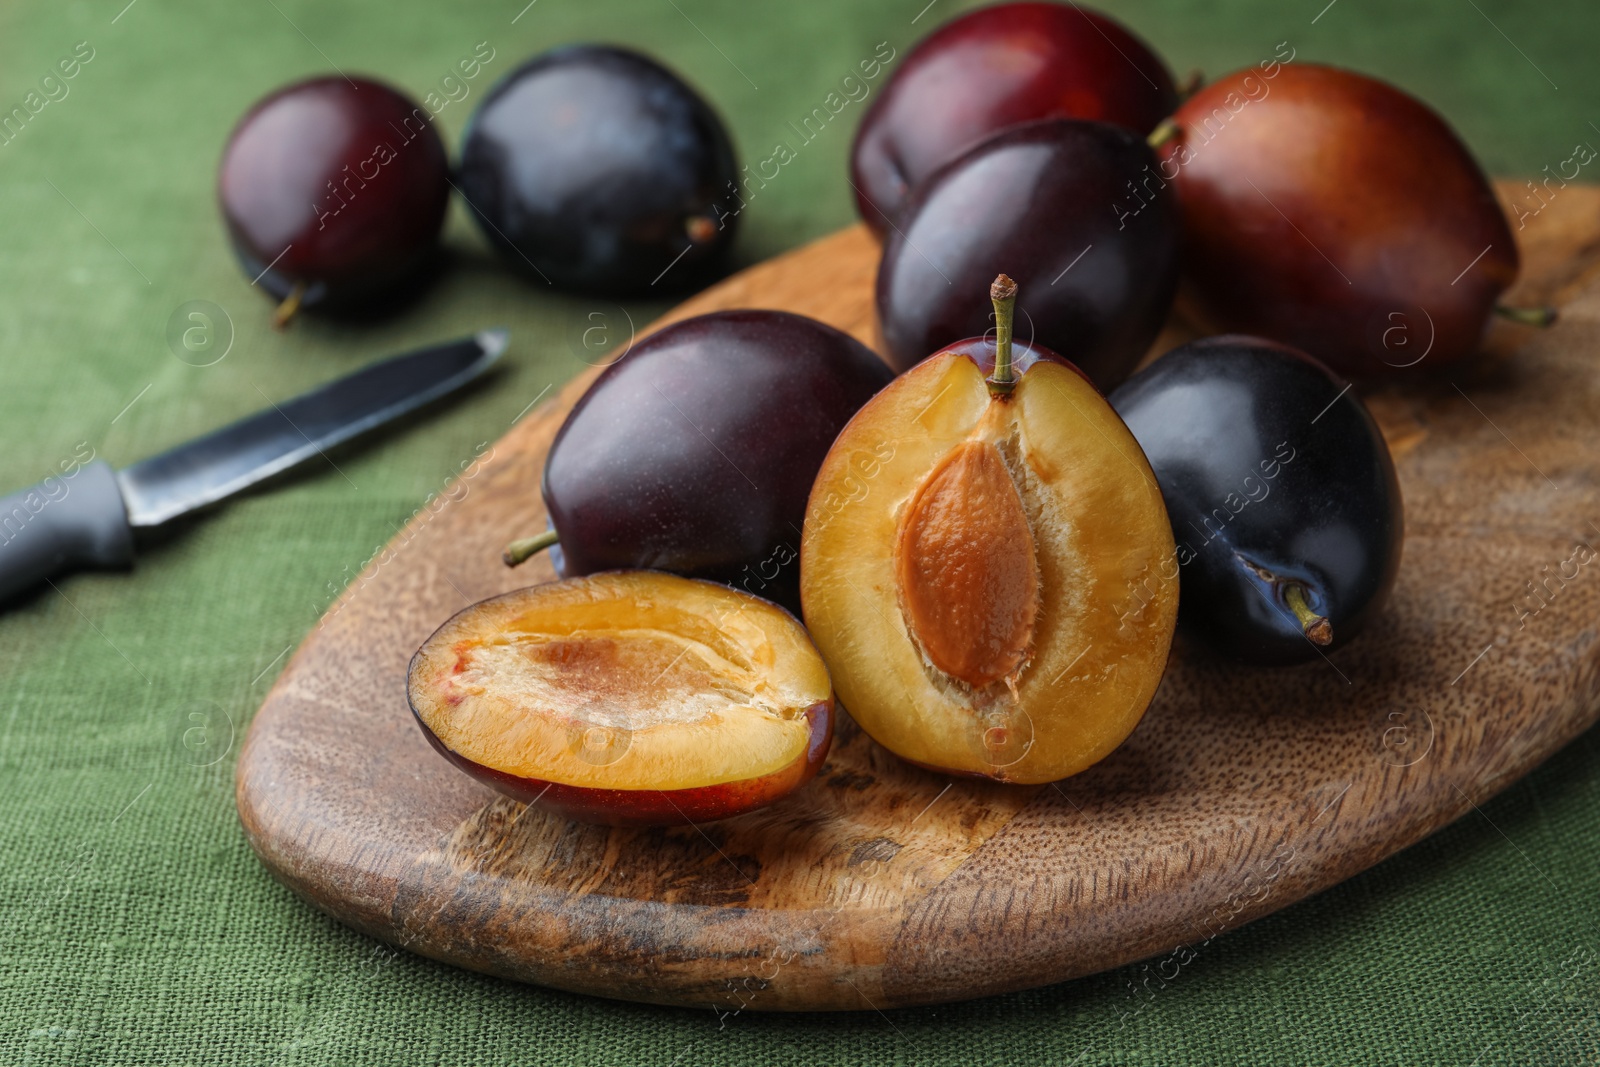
x=628, y=698
x=988, y=602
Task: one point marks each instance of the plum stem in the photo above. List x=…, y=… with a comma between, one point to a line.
x=1317, y=628
x=291, y=304
x=1528, y=316
x=1003, y=292
x=1192, y=83
x=1165, y=131
x=520, y=550
x=701, y=229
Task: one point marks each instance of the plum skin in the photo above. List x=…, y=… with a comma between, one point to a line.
x=336, y=185
x=993, y=68
x=695, y=452
x=981, y=351
x=598, y=169
x=1214, y=415
x=1371, y=262
x=1036, y=202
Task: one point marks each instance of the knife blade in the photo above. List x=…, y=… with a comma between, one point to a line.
x=87, y=518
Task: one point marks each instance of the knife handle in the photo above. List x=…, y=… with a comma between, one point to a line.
x=76, y=521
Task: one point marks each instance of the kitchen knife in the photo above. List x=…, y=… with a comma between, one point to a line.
x=87, y=518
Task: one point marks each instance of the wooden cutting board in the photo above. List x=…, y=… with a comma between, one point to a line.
x=880, y=885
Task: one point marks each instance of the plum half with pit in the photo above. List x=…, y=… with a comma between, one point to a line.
x=992, y=68
x=1036, y=201
x=628, y=698
x=597, y=168
x=334, y=191
x=970, y=598
x=1285, y=508
x=695, y=452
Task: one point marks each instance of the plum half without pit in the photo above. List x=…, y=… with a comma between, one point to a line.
x=969, y=552
x=632, y=698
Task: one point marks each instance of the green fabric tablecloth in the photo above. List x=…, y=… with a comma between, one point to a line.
x=136, y=926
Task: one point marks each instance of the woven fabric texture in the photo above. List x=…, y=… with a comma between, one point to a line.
x=138, y=928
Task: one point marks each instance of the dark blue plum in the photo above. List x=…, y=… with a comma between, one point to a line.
x=1284, y=505
x=596, y=168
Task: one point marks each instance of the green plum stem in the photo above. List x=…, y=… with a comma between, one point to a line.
x=1529, y=316
x=1165, y=131
x=1003, y=292
x=1317, y=628
x=519, y=551
x=286, y=311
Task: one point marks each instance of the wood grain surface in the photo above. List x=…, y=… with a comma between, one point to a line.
x=881, y=885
